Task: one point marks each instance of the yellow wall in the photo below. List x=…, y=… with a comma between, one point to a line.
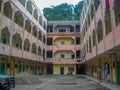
x=66, y=40
x=56, y=69
x=67, y=54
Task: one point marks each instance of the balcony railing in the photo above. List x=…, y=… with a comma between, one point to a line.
x=64, y=47
x=66, y=61
x=4, y=49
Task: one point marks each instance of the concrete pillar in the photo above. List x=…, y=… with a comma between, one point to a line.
x=31, y=38
x=37, y=43
x=12, y=29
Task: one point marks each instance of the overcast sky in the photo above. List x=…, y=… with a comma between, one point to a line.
x=47, y=3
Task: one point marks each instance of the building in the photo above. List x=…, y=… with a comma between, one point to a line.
x=63, y=47
x=22, y=37
x=100, y=29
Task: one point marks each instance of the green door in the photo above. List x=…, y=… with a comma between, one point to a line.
x=2, y=68
x=23, y=68
x=20, y=68
x=33, y=70
x=118, y=70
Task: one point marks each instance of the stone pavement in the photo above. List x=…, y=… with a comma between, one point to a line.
x=59, y=82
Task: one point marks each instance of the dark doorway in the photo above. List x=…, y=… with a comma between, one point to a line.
x=80, y=69
x=62, y=70
x=118, y=72
x=49, y=69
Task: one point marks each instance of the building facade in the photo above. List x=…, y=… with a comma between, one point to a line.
x=63, y=47
x=22, y=37
x=100, y=29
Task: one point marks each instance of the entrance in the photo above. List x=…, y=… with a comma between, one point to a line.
x=62, y=70
x=49, y=69
x=80, y=69
x=20, y=68
x=2, y=68
x=118, y=70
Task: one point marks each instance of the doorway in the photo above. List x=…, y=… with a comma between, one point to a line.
x=62, y=70
x=49, y=69
x=80, y=69
x=118, y=70
x=2, y=68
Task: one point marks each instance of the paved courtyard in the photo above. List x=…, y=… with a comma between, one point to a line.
x=63, y=83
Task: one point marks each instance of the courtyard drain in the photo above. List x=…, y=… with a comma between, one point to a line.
x=67, y=83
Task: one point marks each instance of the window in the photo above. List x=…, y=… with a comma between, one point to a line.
x=78, y=54
x=92, y=12
x=17, y=45
x=8, y=65
x=72, y=43
x=77, y=28
x=90, y=49
x=96, y=3
x=62, y=56
x=49, y=41
x=94, y=38
x=73, y=56
x=49, y=54
x=62, y=30
x=99, y=30
x=107, y=4
x=77, y=40
x=4, y=40
x=22, y=2
x=16, y=66
x=71, y=29
x=62, y=43
x=117, y=11
x=0, y=4
x=107, y=20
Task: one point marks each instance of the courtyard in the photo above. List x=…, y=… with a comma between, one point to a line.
x=63, y=82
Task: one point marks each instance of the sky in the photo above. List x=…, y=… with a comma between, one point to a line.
x=47, y=3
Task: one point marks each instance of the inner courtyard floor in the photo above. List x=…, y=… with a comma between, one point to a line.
x=63, y=82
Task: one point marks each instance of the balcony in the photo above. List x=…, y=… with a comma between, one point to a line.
x=48, y=47
x=26, y=55
x=66, y=61
x=78, y=47
x=64, y=48
x=16, y=52
x=4, y=49
x=48, y=60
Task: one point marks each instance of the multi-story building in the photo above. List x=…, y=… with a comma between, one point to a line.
x=22, y=37
x=100, y=29
x=63, y=47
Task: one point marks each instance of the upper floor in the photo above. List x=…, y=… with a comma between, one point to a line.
x=100, y=26
x=21, y=34
x=69, y=26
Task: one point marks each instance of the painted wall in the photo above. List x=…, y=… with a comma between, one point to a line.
x=56, y=69
x=67, y=54
x=66, y=40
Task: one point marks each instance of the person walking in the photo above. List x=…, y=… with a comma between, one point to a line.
x=106, y=74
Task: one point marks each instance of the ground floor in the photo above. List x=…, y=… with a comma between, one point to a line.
x=65, y=82
x=64, y=69
x=13, y=65
x=96, y=67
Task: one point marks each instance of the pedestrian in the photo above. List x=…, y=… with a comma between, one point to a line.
x=99, y=73
x=106, y=74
